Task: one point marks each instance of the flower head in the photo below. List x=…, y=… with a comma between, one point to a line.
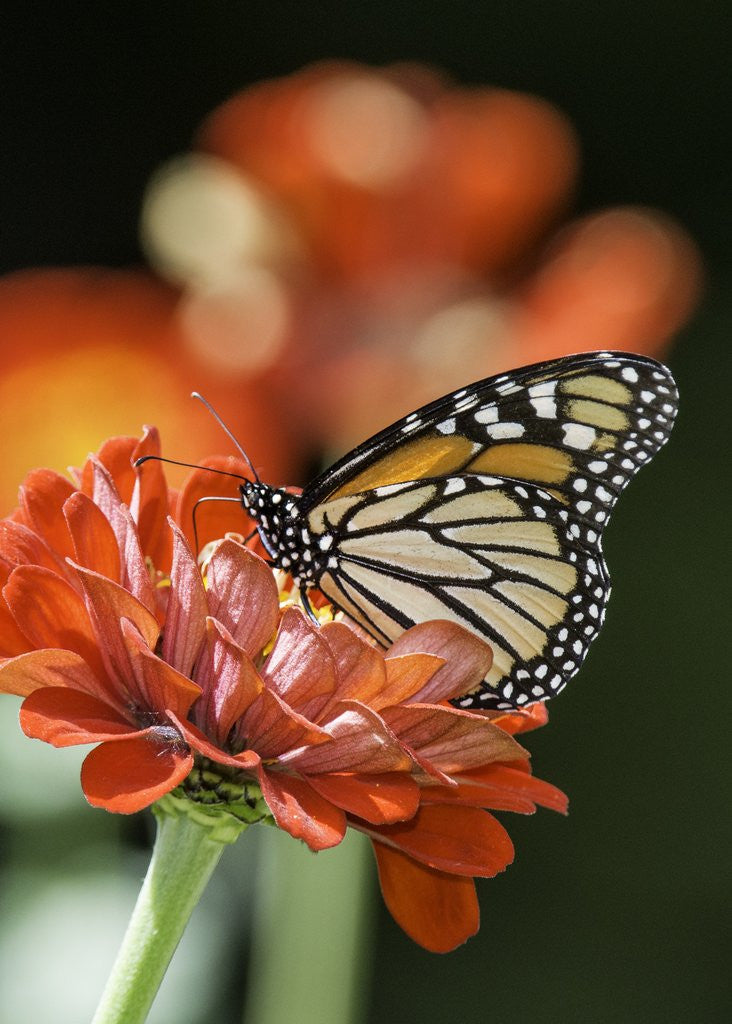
x=199, y=676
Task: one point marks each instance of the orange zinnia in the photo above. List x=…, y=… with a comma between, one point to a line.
x=198, y=679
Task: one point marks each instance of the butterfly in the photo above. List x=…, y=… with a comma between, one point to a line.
x=485, y=507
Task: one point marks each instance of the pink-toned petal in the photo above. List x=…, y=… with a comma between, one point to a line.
x=516, y=780
x=185, y=617
x=229, y=681
x=242, y=596
x=271, y=727
x=467, y=658
x=52, y=667
x=300, y=667
x=459, y=840
x=19, y=545
x=381, y=799
x=134, y=574
x=437, y=910
x=129, y=775
x=41, y=499
x=406, y=675
x=246, y=760
x=108, y=604
x=360, y=670
x=302, y=812
x=360, y=742
x=450, y=739
x=159, y=686
x=65, y=718
x=95, y=545
x=51, y=613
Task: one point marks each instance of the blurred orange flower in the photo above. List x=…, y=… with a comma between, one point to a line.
x=115, y=635
x=345, y=244
x=390, y=237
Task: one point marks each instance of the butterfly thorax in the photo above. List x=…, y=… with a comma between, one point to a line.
x=283, y=531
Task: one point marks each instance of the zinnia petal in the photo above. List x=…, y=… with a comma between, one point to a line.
x=50, y=667
x=128, y=775
x=51, y=613
x=95, y=545
x=467, y=658
x=65, y=718
x=450, y=739
x=381, y=799
x=302, y=812
x=186, y=610
x=437, y=910
x=242, y=595
x=41, y=499
x=300, y=667
x=460, y=840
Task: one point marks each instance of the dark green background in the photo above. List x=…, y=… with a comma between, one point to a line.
x=622, y=911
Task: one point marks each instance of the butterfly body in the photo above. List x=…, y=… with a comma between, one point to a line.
x=485, y=507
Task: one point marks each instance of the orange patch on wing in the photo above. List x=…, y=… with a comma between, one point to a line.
x=533, y=462
x=433, y=455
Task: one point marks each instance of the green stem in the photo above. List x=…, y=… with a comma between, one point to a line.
x=185, y=854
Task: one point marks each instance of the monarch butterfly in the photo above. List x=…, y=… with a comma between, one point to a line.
x=485, y=507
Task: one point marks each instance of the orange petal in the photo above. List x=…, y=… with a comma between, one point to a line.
x=516, y=781
x=52, y=614
x=406, y=674
x=52, y=667
x=467, y=658
x=41, y=497
x=459, y=840
x=128, y=775
x=64, y=718
x=149, y=502
x=439, y=911
x=95, y=545
x=302, y=812
x=360, y=667
x=381, y=799
x=19, y=545
x=116, y=456
x=524, y=719
x=450, y=739
x=12, y=641
x=242, y=596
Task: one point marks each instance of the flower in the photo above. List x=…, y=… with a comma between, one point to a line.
x=196, y=678
x=375, y=238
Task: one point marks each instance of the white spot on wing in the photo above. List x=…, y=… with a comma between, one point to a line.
x=578, y=435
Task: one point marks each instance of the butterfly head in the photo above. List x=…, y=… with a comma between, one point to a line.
x=281, y=529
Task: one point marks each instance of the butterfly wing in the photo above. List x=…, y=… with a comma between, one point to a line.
x=528, y=465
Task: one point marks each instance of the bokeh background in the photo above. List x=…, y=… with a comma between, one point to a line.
x=321, y=255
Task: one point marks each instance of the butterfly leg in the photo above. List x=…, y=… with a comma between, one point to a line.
x=307, y=606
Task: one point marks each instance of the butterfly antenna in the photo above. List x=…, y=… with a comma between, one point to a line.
x=194, y=513
x=227, y=431
x=191, y=465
